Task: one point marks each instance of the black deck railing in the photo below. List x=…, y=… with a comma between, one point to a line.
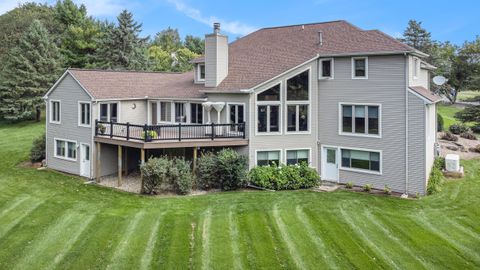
x=166, y=132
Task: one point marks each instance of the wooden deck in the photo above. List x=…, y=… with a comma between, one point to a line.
x=219, y=142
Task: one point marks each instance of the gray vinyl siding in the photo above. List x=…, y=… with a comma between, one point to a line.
x=386, y=85
x=416, y=145
x=286, y=141
x=69, y=92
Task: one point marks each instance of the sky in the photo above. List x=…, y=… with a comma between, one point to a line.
x=454, y=21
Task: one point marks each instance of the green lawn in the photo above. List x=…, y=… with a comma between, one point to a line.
x=50, y=220
x=448, y=111
x=468, y=95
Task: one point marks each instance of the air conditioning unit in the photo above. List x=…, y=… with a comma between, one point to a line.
x=452, y=163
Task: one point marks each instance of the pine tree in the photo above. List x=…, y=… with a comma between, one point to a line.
x=195, y=44
x=30, y=70
x=417, y=37
x=121, y=47
x=168, y=40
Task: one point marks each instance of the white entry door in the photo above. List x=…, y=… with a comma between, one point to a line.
x=85, y=160
x=330, y=164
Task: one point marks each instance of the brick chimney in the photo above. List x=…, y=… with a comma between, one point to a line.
x=216, y=57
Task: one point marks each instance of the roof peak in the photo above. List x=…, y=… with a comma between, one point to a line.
x=313, y=23
x=126, y=71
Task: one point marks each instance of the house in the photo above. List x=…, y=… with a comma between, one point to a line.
x=355, y=104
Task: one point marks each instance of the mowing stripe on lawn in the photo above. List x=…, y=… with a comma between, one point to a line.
x=395, y=239
x=315, y=238
x=421, y=220
x=366, y=239
x=148, y=254
x=19, y=216
x=13, y=205
x=55, y=242
x=286, y=239
x=234, y=238
x=206, y=239
x=123, y=244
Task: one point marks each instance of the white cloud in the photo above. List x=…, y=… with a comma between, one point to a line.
x=234, y=27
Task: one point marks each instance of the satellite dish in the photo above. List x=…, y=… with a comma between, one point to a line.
x=439, y=80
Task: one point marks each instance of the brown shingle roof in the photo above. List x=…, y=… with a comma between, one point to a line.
x=268, y=52
x=105, y=84
x=424, y=92
x=253, y=59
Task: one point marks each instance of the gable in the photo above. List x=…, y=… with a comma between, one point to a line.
x=67, y=83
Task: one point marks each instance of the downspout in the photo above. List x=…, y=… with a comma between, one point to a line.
x=406, y=124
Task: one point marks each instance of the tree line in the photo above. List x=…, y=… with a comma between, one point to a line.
x=459, y=64
x=40, y=41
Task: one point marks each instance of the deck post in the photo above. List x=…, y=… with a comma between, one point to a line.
x=120, y=169
x=142, y=161
x=195, y=150
x=125, y=161
x=97, y=163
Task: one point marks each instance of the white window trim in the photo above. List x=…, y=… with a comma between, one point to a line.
x=59, y=113
x=320, y=69
x=80, y=113
x=280, y=157
x=266, y=103
x=227, y=116
x=340, y=120
x=310, y=163
x=416, y=68
x=172, y=108
x=366, y=68
x=108, y=111
x=66, y=149
x=299, y=102
x=380, y=172
x=187, y=112
x=199, y=72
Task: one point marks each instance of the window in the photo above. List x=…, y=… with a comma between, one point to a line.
x=268, y=118
x=165, y=111
x=326, y=69
x=268, y=110
x=109, y=112
x=271, y=94
x=201, y=72
x=297, y=87
x=65, y=149
x=297, y=117
x=360, y=119
x=196, y=113
x=363, y=160
x=236, y=113
x=298, y=156
x=154, y=111
x=298, y=102
x=360, y=68
x=180, y=112
x=268, y=158
x=55, y=112
x=416, y=67
x=84, y=114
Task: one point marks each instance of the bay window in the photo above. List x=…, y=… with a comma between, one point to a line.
x=360, y=119
x=359, y=159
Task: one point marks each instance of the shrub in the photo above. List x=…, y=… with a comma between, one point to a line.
x=476, y=128
x=468, y=136
x=37, y=152
x=469, y=114
x=349, y=185
x=367, y=187
x=181, y=176
x=155, y=173
x=459, y=128
x=226, y=170
x=284, y=177
x=207, y=172
x=387, y=190
x=448, y=136
x=436, y=179
x=231, y=169
x=440, y=122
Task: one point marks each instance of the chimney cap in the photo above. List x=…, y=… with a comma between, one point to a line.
x=216, y=27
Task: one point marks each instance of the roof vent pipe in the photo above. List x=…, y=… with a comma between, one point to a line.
x=320, y=38
x=216, y=28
